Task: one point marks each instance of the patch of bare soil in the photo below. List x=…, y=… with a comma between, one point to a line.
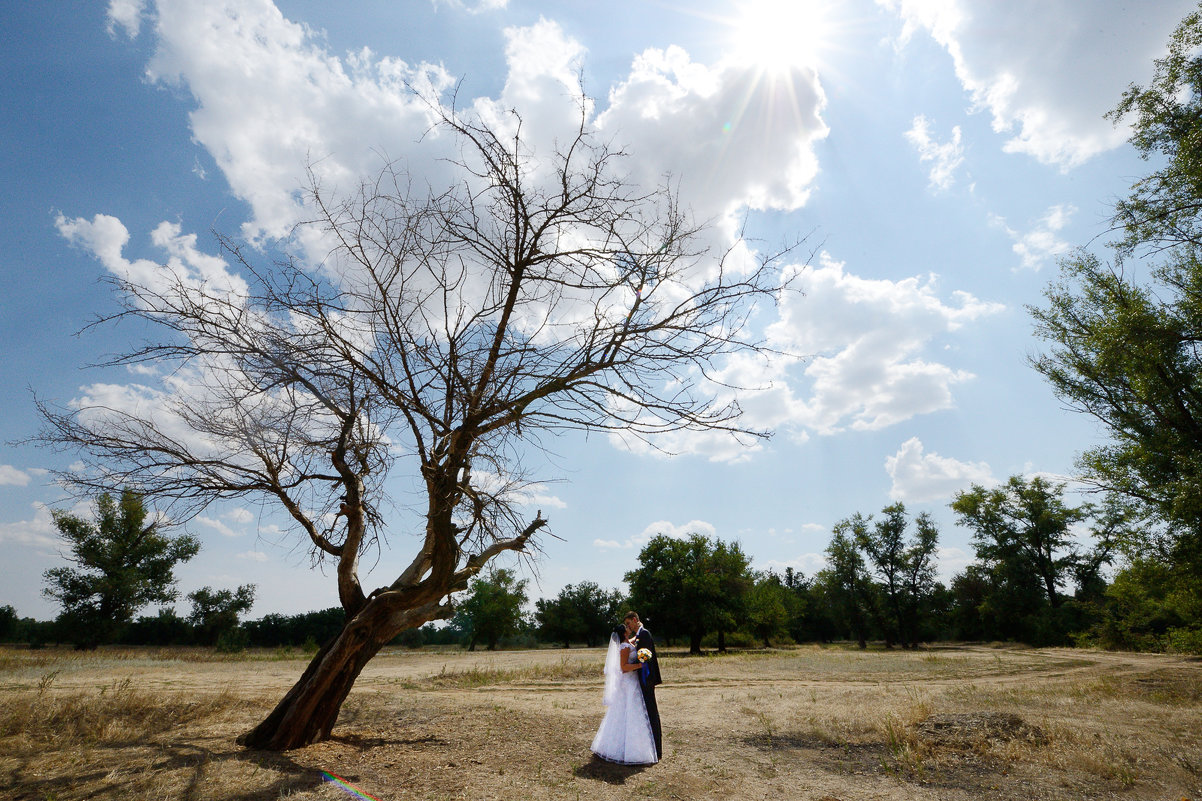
x=817, y=724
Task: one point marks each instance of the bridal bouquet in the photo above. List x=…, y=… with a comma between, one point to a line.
x=644, y=654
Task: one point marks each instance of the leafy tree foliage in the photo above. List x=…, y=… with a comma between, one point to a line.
x=582, y=613
x=9, y=622
x=1163, y=210
x=689, y=587
x=215, y=613
x=1023, y=526
x=905, y=571
x=492, y=609
x=770, y=607
x=1128, y=354
x=165, y=627
x=1124, y=345
x=845, y=582
x=293, y=630
x=1027, y=557
x=122, y=563
x=1148, y=606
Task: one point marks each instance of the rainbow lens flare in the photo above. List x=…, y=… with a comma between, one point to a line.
x=345, y=785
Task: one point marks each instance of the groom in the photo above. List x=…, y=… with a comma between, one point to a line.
x=648, y=675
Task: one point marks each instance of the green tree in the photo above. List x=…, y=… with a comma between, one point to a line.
x=770, y=607
x=1149, y=607
x=9, y=623
x=122, y=563
x=905, y=570
x=1027, y=557
x=689, y=587
x=1023, y=523
x=1128, y=355
x=918, y=585
x=809, y=612
x=215, y=613
x=166, y=627
x=732, y=569
x=845, y=581
x=1163, y=210
x=492, y=609
x=1124, y=346
x=582, y=612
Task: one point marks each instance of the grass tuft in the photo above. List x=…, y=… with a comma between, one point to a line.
x=113, y=714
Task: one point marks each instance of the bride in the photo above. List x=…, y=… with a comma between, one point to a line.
x=625, y=734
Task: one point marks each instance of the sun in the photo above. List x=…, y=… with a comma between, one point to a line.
x=777, y=35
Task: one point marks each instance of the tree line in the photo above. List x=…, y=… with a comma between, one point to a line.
x=1031, y=581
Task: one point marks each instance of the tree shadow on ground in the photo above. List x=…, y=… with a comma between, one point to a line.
x=365, y=743
x=609, y=772
x=188, y=766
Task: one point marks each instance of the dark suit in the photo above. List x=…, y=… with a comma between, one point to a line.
x=648, y=678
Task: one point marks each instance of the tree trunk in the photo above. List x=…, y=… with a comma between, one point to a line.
x=695, y=642
x=308, y=712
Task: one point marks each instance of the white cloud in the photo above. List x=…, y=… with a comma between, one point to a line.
x=218, y=526
x=861, y=361
x=240, y=515
x=12, y=477
x=952, y=561
x=544, y=501
x=867, y=340
x=807, y=564
x=252, y=556
x=105, y=237
x=127, y=14
x=271, y=98
x=1047, y=70
x=732, y=136
x=947, y=157
x=477, y=7
x=920, y=477
x=660, y=527
x=1040, y=244
x=39, y=532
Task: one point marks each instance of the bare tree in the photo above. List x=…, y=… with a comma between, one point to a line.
x=443, y=332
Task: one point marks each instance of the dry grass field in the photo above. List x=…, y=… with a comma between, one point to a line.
x=818, y=724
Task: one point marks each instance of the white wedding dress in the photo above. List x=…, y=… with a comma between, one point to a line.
x=625, y=733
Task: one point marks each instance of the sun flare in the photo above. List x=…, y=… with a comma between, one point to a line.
x=779, y=34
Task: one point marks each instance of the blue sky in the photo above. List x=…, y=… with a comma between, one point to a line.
x=940, y=155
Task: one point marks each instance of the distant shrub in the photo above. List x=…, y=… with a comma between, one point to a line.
x=1184, y=641
x=232, y=641
x=734, y=639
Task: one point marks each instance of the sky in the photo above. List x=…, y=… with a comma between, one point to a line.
x=939, y=156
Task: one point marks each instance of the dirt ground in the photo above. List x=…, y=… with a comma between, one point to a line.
x=817, y=724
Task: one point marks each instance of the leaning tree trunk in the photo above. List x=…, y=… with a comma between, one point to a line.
x=308, y=712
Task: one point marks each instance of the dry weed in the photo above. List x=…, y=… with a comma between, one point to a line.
x=112, y=714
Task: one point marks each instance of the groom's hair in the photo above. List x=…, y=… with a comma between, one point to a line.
x=631, y=615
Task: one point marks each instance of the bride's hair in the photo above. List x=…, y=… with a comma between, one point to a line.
x=620, y=631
